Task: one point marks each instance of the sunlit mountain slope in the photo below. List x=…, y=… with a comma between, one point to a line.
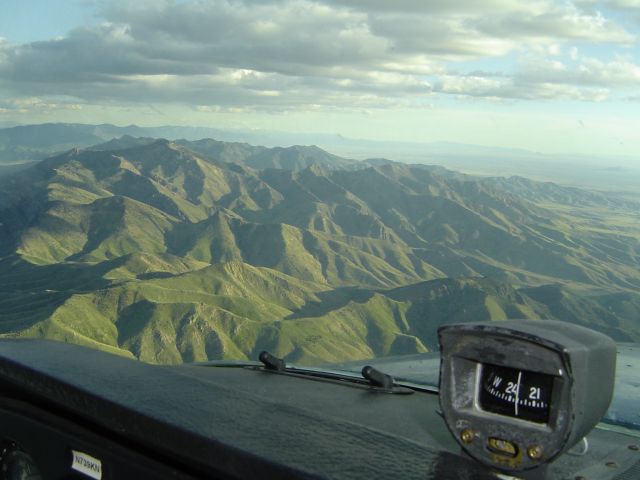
x=149, y=248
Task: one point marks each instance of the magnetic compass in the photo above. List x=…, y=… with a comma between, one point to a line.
x=517, y=394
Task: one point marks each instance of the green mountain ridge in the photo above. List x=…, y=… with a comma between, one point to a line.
x=233, y=310
x=153, y=250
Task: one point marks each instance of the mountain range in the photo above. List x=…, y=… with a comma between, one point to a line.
x=201, y=249
x=26, y=143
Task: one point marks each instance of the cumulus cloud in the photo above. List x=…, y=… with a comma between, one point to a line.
x=516, y=89
x=556, y=22
x=30, y=104
x=283, y=54
x=630, y=8
x=295, y=37
x=589, y=72
x=546, y=77
x=624, y=4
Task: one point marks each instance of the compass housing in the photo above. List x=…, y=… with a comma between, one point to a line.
x=518, y=393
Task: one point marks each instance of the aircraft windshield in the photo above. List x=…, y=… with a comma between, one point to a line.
x=326, y=180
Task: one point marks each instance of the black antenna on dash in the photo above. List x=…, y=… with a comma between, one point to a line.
x=377, y=378
x=271, y=362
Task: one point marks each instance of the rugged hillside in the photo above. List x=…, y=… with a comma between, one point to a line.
x=149, y=248
x=297, y=157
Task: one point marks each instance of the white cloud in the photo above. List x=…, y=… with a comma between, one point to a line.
x=573, y=53
x=30, y=104
x=624, y=4
x=542, y=78
x=589, y=72
x=565, y=22
x=286, y=54
x=510, y=89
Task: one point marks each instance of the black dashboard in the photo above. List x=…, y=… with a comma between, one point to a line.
x=73, y=412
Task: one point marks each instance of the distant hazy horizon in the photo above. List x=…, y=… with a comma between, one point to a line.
x=610, y=173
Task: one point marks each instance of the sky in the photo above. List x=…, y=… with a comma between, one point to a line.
x=548, y=76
